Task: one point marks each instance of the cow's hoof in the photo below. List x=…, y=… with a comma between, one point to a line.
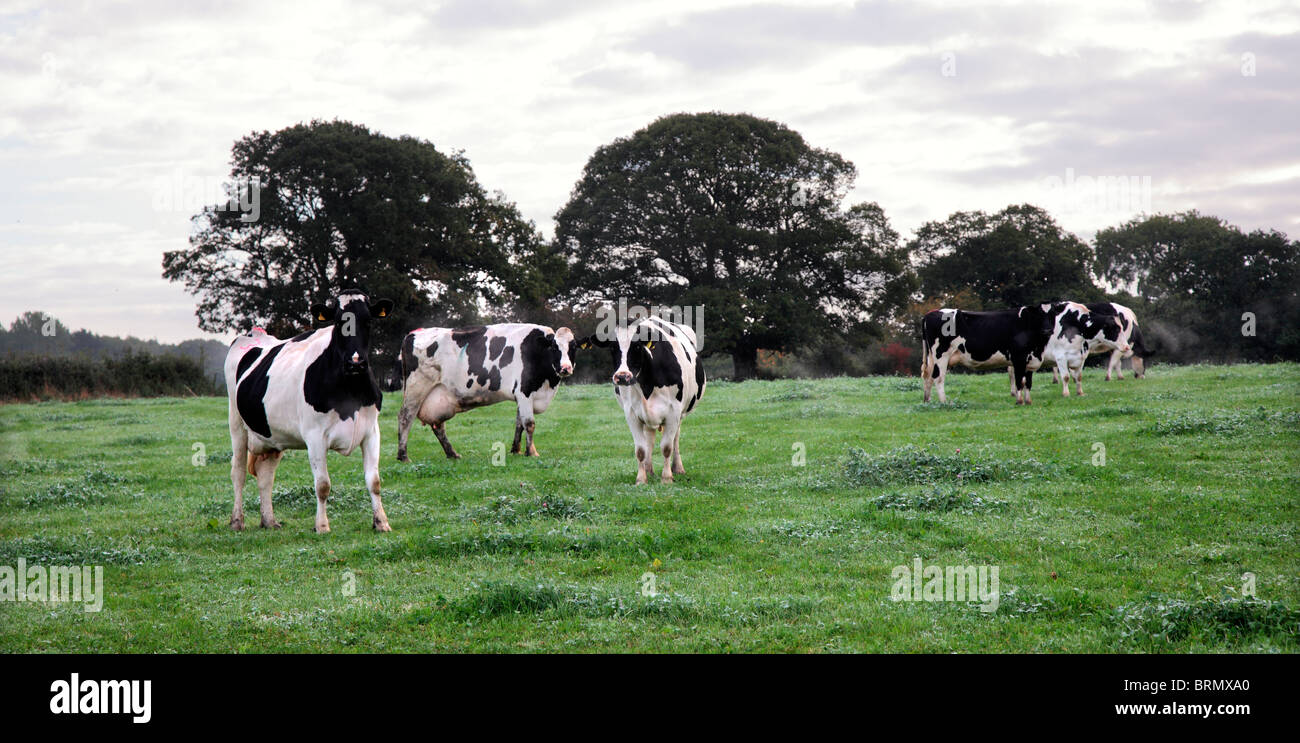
x=272, y=524
x=382, y=526
x=666, y=481
x=237, y=524
x=322, y=528
x=679, y=470
x=403, y=458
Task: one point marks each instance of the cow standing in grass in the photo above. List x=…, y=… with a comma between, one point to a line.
x=446, y=371
x=314, y=391
x=658, y=379
x=1077, y=334
x=984, y=340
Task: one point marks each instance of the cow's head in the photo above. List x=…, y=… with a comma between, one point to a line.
x=350, y=313
x=630, y=350
x=1039, y=319
x=562, y=354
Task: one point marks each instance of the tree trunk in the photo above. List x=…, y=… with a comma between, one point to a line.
x=745, y=362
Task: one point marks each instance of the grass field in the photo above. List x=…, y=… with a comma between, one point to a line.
x=749, y=550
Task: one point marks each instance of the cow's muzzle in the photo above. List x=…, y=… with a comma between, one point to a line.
x=355, y=367
x=566, y=370
x=623, y=378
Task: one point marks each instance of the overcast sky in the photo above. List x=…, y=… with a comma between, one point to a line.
x=941, y=107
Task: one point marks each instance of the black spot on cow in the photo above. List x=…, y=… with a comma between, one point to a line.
x=699, y=387
x=326, y=387
x=431, y=350
x=409, y=363
x=541, y=359
x=299, y=338
x=495, y=346
x=474, y=341
x=507, y=356
x=251, y=392
x=662, y=371
x=494, y=379
x=247, y=361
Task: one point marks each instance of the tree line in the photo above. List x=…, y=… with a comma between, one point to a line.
x=732, y=212
x=41, y=358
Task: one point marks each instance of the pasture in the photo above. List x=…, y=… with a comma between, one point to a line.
x=799, y=500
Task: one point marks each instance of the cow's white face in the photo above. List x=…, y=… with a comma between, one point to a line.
x=565, y=341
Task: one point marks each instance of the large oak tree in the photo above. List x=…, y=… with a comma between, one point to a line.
x=339, y=205
x=738, y=214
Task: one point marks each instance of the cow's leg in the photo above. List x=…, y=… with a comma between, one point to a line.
x=526, y=420
x=1139, y=368
x=1011, y=373
x=678, y=469
x=320, y=473
x=238, y=471
x=1056, y=376
x=1018, y=372
x=1078, y=379
x=648, y=435
x=1063, y=378
x=440, y=430
x=264, y=468
x=519, y=433
x=1115, y=365
x=1029, y=386
x=926, y=381
x=405, y=417
x=668, y=443
x=941, y=374
x=641, y=448
x=370, y=463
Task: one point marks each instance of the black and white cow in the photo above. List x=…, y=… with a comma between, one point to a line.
x=1130, y=335
x=658, y=379
x=446, y=371
x=1077, y=334
x=314, y=391
x=984, y=340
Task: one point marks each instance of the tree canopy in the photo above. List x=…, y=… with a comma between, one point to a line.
x=738, y=214
x=1015, y=257
x=339, y=204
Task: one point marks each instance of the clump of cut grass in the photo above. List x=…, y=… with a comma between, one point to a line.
x=942, y=499
x=1160, y=620
x=93, y=487
x=913, y=464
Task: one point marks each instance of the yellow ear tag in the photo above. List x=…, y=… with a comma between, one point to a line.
x=382, y=313
x=650, y=345
x=320, y=318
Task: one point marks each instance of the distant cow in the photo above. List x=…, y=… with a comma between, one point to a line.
x=658, y=379
x=1129, y=334
x=1077, y=334
x=314, y=391
x=985, y=340
x=446, y=371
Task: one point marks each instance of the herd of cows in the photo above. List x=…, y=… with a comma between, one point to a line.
x=315, y=391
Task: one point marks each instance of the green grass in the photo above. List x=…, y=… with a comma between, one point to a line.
x=749, y=551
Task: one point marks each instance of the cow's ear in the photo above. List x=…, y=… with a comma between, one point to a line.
x=322, y=313
x=382, y=308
